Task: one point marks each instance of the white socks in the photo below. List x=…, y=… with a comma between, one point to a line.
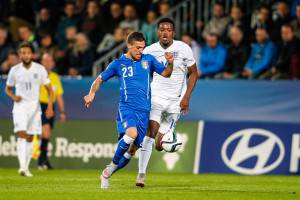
x=29, y=147
x=24, y=152
x=145, y=154
x=21, y=152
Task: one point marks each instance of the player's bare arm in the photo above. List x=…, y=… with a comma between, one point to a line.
x=193, y=77
x=10, y=94
x=49, y=111
x=61, y=107
x=169, y=69
x=88, y=99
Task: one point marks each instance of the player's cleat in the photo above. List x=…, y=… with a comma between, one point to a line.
x=104, y=182
x=109, y=170
x=140, y=180
x=25, y=173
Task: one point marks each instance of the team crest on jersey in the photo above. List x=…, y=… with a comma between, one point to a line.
x=175, y=54
x=145, y=64
x=35, y=75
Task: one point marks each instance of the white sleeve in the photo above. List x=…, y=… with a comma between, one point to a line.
x=45, y=76
x=189, y=57
x=11, y=81
x=146, y=50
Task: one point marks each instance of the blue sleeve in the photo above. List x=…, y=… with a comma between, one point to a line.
x=155, y=65
x=250, y=61
x=266, y=60
x=110, y=71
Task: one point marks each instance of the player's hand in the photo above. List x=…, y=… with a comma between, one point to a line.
x=62, y=117
x=169, y=57
x=17, y=98
x=49, y=112
x=88, y=99
x=184, y=105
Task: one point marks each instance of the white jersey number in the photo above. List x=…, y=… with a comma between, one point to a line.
x=127, y=72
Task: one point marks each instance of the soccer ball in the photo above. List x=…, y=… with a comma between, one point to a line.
x=171, y=142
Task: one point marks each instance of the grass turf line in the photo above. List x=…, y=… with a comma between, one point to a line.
x=84, y=184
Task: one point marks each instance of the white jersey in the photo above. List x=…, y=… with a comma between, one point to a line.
x=27, y=82
x=175, y=86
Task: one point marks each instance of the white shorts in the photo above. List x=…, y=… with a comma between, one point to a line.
x=27, y=117
x=165, y=112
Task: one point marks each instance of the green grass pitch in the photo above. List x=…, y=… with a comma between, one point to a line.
x=84, y=184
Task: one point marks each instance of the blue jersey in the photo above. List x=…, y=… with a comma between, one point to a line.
x=134, y=76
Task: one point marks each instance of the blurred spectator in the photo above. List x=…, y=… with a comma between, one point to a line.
x=296, y=22
x=189, y=40
x=149, y=28
x=110, y=41
x=163, y=8
x=47, y=46
x=130, y=18
x=262, y=55
x=281, y=16
x=116, y=16
x=26, y=35
x=45, y=23
x=237, y=54
x=11, y=60
x=80, y=58
x=70, y=35
x=70, y=19
x=5, y=47
x=262, y=19
x=92, y=22
x=217, y=25
x=288, y=63
x=236, y=19
x=295, y=3
x=212, y=57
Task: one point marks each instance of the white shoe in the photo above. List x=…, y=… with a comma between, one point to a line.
x=140, y=180
x=26, y=173
x=104, y=182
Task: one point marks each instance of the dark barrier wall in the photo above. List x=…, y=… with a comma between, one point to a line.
x=212, y=100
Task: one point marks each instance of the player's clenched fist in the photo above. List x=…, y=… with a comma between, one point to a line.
x=88, y=99
x=169, y=57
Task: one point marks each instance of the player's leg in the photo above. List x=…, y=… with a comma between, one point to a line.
x=127, y=157
x=34, y=127
x=146, y=150
x=167, y=124
x=123, y=146
x=20, y=128
x=47, y=126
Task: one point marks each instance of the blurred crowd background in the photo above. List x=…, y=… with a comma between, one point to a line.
x=261, y=43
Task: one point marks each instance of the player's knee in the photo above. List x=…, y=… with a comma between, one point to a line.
x=131, y=152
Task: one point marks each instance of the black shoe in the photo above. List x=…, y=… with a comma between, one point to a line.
x=47, y=165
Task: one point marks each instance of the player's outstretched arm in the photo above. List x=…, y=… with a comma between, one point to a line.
x=49, y=111
x=88, y=99
x=169, y=69
x=10, y=94
x=193, y=77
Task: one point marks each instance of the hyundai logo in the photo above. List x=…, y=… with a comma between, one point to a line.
x=241, y=151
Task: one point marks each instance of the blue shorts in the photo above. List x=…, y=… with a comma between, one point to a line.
x=130, y=118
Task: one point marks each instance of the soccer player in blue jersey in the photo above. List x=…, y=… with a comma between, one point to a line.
x=133, y=70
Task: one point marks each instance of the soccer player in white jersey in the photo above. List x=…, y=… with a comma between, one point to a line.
x=170, y=97
x=27, y=78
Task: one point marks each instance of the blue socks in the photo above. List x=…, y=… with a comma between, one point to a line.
x=124, y=161
x=123, y=146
